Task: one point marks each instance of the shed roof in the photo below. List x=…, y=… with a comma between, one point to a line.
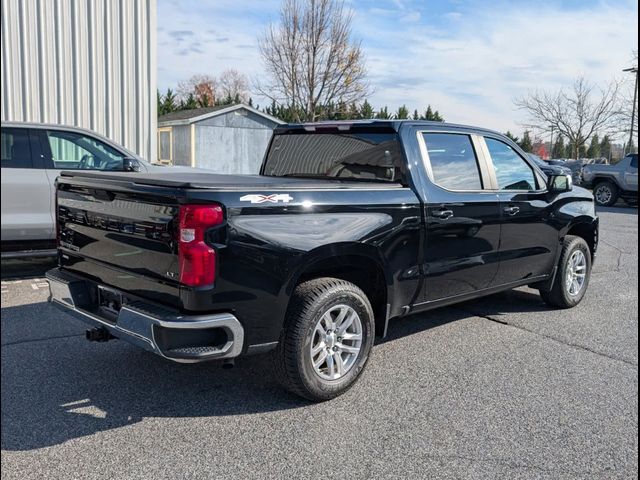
x=186, y=117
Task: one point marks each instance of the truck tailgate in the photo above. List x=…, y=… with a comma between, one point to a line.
x=120, y=235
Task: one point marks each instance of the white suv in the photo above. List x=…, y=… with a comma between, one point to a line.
x=32, y=157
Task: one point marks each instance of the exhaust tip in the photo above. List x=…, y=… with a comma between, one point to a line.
x=229, y=364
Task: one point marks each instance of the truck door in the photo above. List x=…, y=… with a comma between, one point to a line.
x=462, y=219
x=529, y=241
x=26, y=192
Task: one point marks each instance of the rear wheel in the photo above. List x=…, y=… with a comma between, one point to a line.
x=606, y=193
x=326, y=340
x=572, y=276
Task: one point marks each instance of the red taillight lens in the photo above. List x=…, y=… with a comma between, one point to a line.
x=197, y=260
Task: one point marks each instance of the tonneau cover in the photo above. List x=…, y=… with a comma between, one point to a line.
x=199, y=180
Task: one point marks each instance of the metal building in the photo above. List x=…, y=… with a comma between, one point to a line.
x=225, y=139
x=88, y=63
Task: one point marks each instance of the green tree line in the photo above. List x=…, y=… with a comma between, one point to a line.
x=597, y=147
x=169, y=102
x=354, y=111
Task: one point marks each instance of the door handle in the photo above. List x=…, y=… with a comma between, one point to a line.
x=443, y=214
x=511, y=210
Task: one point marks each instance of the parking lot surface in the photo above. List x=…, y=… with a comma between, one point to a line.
x=504, y=387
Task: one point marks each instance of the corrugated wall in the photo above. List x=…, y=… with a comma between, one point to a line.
x=89, y=63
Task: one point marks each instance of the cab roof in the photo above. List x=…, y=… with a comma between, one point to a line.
x=395, y=125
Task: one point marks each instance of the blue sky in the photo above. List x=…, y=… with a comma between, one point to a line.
x=467, y=58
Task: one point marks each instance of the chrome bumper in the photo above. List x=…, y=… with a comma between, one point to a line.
x=177, y=337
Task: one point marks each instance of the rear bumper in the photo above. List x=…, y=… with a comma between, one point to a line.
x=166, y=332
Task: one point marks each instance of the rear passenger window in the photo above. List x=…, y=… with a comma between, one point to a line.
x=15, y=148
x=512, y=171
x=453, y=161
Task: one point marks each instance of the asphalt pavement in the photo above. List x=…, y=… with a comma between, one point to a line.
x=503, y=387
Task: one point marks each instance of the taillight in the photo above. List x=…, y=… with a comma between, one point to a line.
x=197, y=260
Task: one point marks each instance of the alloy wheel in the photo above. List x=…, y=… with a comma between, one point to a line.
x=576, y=273
x=336, y=342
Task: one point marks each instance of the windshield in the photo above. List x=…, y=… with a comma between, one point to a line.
x=368, y=156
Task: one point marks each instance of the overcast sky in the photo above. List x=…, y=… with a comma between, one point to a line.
x=467, y=58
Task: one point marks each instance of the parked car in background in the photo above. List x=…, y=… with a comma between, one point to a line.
x=611, y=182
x=550, y=169
x=32, y=156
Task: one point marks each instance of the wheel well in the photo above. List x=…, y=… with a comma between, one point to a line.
x=598, y=180
x=587, y=232
x=365, y=273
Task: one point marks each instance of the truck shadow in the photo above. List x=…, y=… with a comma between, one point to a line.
x=59, y=389
x=495, y=306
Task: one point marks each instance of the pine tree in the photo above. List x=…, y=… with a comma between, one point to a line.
x=402, y=113
x=203, y=101
x=190, y=103
x=366, y=110
x=582, y=151
x=168, y=102
x=437, y=117
x=159, y=108
x=383, y=113
x=594, y=147
x=353, y=112
x=526, y=143
x=577, y=149
x=512, y=137
x=558, y=150
x=605, y=147
x=342, y=111
x=428, y=115
x=416, y=115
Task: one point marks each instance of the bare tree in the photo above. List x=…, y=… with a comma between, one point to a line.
x=311, y=58
x=576, y=114
x=202, y=87
x=233, y=84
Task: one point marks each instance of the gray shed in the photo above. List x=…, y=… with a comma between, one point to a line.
x=225, y=139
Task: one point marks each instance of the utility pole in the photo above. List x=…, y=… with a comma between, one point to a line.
x=633, y=108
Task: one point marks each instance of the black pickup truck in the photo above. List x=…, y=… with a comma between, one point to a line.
x=347, y=226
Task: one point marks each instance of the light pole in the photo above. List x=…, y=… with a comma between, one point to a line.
x=633, y=108
x=551, y=144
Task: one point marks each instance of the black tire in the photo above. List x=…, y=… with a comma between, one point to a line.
x=559, y=296
x=606, y=190
x=292, y=358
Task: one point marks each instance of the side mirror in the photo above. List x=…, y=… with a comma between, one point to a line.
x=130, y=165
x=560, y=183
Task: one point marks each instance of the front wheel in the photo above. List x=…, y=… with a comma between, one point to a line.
x=606, y=194
x=573, y=274
x=326, y=339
